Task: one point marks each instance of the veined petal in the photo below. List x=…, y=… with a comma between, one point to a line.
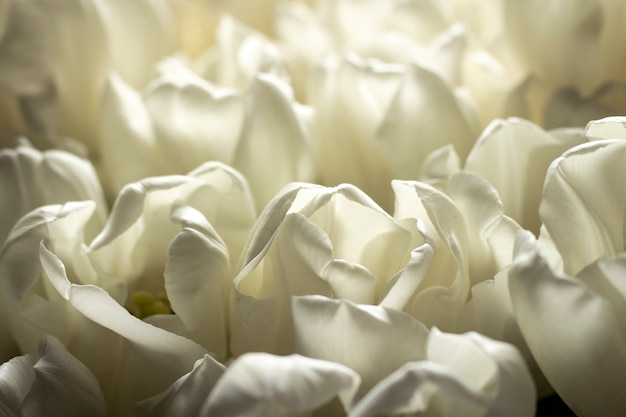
x=263, y=384
x=357, y=336
x=62, y=385
x=185, y=396
x=583, y=203
x=556, y=313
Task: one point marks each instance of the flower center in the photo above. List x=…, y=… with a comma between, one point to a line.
x=143, y=304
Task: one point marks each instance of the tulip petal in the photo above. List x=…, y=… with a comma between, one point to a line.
x=420, y=387
x=126, y=132
x=185, y=396
x=62, y=385
x=463, y=375
x=584, y=188
x=16, y=377
x=357, y=336
x=152, y=358
x=514, y=155
x=442, y=121
x=273, y=130
x=196, y=278
x=261, y=384
x=573, y=333
x=606, y=128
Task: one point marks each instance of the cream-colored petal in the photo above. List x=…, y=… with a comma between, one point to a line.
x=514, y=155
x=573, y=333
x=262, y=384
x=272, y=130
x=130, y=358
x=583, y=203
x=357, y=336
x=406, y=139
x=196, y=283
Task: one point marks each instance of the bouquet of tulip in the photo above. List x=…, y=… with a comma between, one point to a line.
x=312, y=208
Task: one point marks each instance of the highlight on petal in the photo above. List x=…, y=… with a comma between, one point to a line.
x=583, y=203
x=263, y=384
x=357, y=336
x=575, y=334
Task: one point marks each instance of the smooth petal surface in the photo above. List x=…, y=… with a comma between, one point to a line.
x=405, y=139
x=606, y=128
x=62, y=386
x=555, y=50
x=186, y=396
x=196, y=282
x=357, y=336
x=261, y=384
x=240, y=54
x=126, y=132
x=514, y=155
x=351, y=98
x=583, y=203
x=555, y=313
x=203, y=120
x=274, y=129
